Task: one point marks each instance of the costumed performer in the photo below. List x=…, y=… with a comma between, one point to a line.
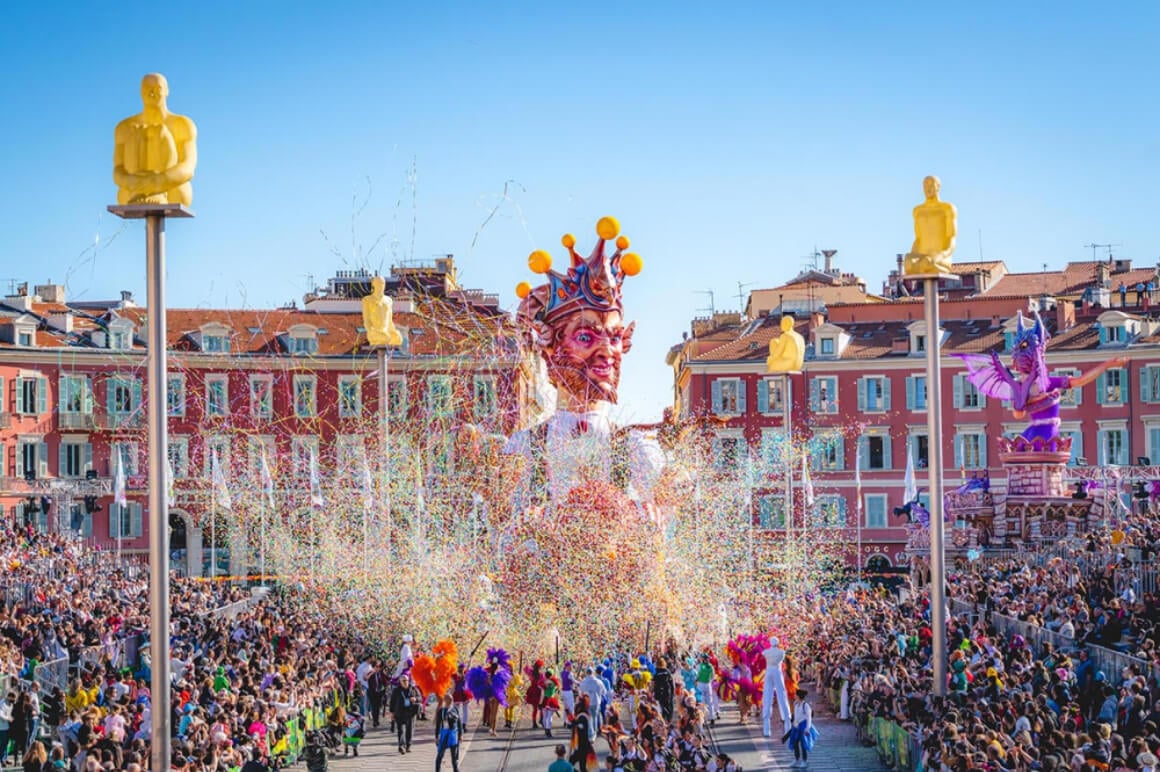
x=489, y=684
x=583, y=753
x=636, y=680
x=550, y=703
x=515, y=696
x=567, y=693
x=534, y=695
x=792, y=680
x=460, y=694
x=705, y=691
x=774, y=685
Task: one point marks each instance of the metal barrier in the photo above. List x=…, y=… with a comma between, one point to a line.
x=1035, y=635
x=52, y=673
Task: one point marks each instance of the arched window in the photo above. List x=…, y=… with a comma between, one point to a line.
x=878, y=563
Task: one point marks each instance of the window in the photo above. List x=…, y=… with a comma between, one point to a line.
x=1069, y=397
x=875, y=451
x=873, y=394
x=24, y=339
x=119, y=339
x=1149, y=384
x=828, y=452
x=175, y=395
x=773, y=446
x=966, y=395
x=123, y=401
x=217, y=397
x=1113, y=448
x=76, y=458
x=827, y=346
x=1154, y=443
x=770, y=396
x=130, y=453
x=439, y=396
x=31, y=458
x=728, y=395
x=919, y=344
x=215, y=344
x=1114, y=334
x=255, y=447
x=1111, y=386
x=916, y=392
x=261, y=397
x=920, y=448
x=875, y=510
x=397, y=398
x=305, y=396
x=349, y=396
x=970, y=450
x=303, y=345
x=727, y=452
x=302, y=449
x=125, y=522
x=830, y=511
x=771, y=511
x=32, y=395
x=824, y=394
x=178, y=451
x=483, y=399
x=352, y=454
x=76, y=396
x=220, y=447
x=1076, y=445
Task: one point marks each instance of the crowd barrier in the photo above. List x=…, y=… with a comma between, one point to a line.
x=898, y=749
x=289, y=748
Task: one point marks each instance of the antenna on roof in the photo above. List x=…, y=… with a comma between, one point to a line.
x=741, y=293
x=712, y=309
x=1094, y=247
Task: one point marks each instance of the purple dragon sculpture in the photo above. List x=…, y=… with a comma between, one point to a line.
x=1030, y=390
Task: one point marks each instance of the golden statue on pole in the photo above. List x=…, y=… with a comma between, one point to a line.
x=935, y=228
x=787, y=352
x=155, y=151
x=378, y=316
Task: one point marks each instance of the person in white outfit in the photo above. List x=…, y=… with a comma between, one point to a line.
x=596, y=692
x=803, y=723
x=774, y=685
x=406, y=657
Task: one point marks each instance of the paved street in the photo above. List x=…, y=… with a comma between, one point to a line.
x=528, y=750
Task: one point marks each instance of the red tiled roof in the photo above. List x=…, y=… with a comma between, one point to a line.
x=1074, y=278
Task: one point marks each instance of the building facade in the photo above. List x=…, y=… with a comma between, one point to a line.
x=297, y=387
x=859, y=406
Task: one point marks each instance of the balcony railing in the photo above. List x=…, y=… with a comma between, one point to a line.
x=5, y=420
x=120, y=420
x=77, y=421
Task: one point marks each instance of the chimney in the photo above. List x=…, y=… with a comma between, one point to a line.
x=817, y=319
x=127, y=299
x=1102, y=275
x=898, y=259
x=995, y=322
x=829, y=255
x=50, y=293
x=62, y=320
x=1064, y=316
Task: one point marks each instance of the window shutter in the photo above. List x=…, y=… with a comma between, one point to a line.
x=815, y=394
x=41, y=396
x=136, y=394
x=88, y=457
x=839, y=452
x=863, y=457
x=1101, y=389
x=862, y=395
x=1146, y=384
x=982, y=399
x=958, y=391
x=716, y=397
x=1076, y=447
x=1125, y=385
x=910, y=392
x=1, y=395
x=1103, y=335
x=1102, y=447
x=742, y=387
x=887, y=461
x=110, y=392
x=42, y=466
x=958, y=452
x=842, y=512
x=1154, y=445
x=763, y=396
x=114, y=519
x=983, y=450
x=135, y=518
x=886, y=393
x=61, y=459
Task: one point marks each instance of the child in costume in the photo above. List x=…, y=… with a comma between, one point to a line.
x=550, y=702
x=515, y=695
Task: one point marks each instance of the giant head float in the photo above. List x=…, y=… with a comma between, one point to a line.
x=575, y=320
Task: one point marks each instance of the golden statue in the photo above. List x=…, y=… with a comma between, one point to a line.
x=934, y=234
x=787, y=352
x=155, y=151
x=378, y=316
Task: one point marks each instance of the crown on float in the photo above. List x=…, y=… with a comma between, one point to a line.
x=593, y=283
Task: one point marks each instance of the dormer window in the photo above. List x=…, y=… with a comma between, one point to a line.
x=302, y=340
x=120, y=334
x=920, y=344
x=827, y=346
x=215, y=338
x=1117, y=328
x=830, y=340
x=920, y=337
x=23, y=331
x=24, y=338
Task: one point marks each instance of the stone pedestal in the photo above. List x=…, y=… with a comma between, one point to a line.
x=1038, y=506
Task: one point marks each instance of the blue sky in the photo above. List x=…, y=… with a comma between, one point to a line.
x=730, y=139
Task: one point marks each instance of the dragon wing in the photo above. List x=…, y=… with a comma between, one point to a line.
x=989, y=375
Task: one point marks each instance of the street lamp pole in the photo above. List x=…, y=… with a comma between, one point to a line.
x=934, y=429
